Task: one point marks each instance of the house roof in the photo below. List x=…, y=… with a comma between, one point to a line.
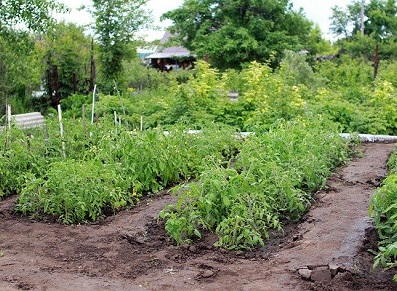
x=167, y=35
x=169, y=52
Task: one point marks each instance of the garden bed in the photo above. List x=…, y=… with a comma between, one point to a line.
x=327, y=250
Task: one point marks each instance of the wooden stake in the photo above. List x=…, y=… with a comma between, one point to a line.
x=83, y=119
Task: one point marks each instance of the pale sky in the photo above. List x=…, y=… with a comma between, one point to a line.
x=318, y=11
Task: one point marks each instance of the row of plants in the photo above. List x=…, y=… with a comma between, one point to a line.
x=106, y=167
x=383, y=208
x=270, y=182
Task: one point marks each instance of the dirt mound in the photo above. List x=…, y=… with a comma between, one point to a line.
x=131, y=251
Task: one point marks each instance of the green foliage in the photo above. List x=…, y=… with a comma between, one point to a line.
x=236, y=32
x=67, y=50
x=353, y=100
x=379, y=19
x=385, y=102
x=266, y=97
x=268, y=182
x=73, y=105
x=342, y=90
x=19, y=66
x=363, y=46
x=21, y=154
x=19, y=71
x=199, y=98
x=106, y=168
x=346, y=73
x=35, y=15
x=359, y=38
x=116, y=23
x=74, y=191
x=317, y=45
x=295, y=70
x=383, y=208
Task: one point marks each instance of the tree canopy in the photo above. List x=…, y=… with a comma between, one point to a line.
x=116, y=23
x=379, y=19
x=19, y=71
x=361, y=26
x=234, y=32
x=34, y=15
x=65, y=59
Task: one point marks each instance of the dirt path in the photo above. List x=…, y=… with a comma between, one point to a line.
x=130, y=251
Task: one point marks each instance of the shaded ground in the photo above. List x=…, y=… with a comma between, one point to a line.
x=130, y=251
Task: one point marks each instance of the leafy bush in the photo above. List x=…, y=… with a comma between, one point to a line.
x=21, y=152
x=270, y=181
x=75, y=191
x=108, y=167
x=383, y=208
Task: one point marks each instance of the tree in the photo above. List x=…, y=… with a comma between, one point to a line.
x=18, y=65
x=234, y=32
x=19, y=73
x=31, y=15
x=346, y=22
x=65, y=55
x=376, y=40
x=380, y=19
x=116, y=23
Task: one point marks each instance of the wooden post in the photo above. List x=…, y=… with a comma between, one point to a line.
x=121, y=103
x=376, y=61
x=83, y=119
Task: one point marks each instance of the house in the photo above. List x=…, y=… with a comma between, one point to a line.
x=171, y=58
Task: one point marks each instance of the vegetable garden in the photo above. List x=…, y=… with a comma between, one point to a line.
x=237, y=187
x=167, y=183
x=108, y=168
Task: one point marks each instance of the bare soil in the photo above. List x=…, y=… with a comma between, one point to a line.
x=327, y=250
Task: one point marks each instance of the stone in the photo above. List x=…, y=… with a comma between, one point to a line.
x=344, y=277
x=207, y=274
x=321, y=274
x=305, y=273
x=333, y=268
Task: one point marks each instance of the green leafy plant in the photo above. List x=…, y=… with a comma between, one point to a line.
x=267, y=183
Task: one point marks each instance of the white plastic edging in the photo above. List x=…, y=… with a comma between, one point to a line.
x=363, y=137
x=371, y=137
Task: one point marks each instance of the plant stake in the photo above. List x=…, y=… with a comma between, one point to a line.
x=93, y=105
x=9, y=116
x=61, y=129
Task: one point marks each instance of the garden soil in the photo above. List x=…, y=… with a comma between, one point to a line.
x=327, y=250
